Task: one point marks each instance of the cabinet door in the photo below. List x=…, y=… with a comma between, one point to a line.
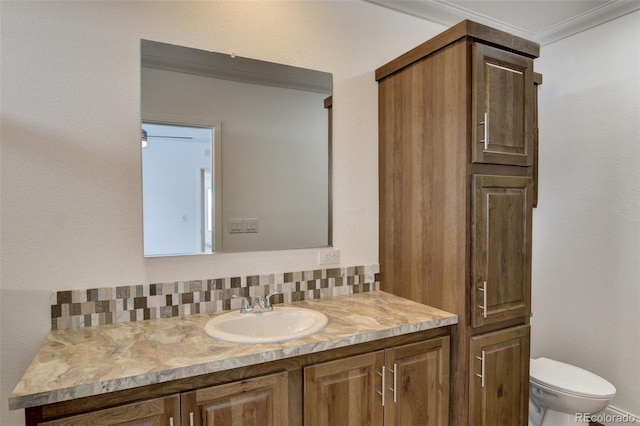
x=417, y=384
x=344, y=392
x=499, y=384
x=261, y=401
x=502, y=107
x=156, y=412
x=501, y=248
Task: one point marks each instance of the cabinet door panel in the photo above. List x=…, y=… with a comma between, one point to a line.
x=344, y=392
x=261, y=401
x=156, y=412
x=499, y=365
x=501, y=248
x=418, y=379
x=503, y=107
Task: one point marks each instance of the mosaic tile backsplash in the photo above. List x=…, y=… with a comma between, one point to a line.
x=110, y=305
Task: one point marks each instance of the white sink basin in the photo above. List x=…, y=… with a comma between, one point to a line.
x=279, y=325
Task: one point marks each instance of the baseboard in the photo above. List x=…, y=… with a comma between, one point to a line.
x=613, y=416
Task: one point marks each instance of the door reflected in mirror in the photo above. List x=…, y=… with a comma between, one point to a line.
x=178, y=189
x=237, y=156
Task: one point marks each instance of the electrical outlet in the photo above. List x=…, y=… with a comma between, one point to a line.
x=329, y=257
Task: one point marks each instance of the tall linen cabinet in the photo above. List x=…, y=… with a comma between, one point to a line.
x=457, y=128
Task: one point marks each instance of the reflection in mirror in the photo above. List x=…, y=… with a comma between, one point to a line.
x=185, y=193
x=237, y=156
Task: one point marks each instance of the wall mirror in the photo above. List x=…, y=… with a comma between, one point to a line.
x=236, y=153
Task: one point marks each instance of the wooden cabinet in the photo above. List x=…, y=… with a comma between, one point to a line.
x=337, y=386
x=261, y=401
x=503, y=97
x=157, y=412
x=344, y=392
x=419, y=391
x=500, y=248
x=500, y=361
x=405, y=385
x=456, y=180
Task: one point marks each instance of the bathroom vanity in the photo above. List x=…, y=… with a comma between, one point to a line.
x=457, y=150
x=377, y=355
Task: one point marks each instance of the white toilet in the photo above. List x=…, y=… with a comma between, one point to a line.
x=559, y=393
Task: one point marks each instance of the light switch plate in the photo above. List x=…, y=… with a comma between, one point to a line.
x=251, y=225
x=236, y=226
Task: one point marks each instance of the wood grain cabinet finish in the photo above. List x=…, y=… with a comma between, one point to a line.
x=157, y=412
x=405, y=385
x=344, y=392
x=456, y=188
x=261, y=401
x=500, y=361
x=417, y=384
x=503, y=100
x=501, y=248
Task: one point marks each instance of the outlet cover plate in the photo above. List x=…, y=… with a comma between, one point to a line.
x=329, y=257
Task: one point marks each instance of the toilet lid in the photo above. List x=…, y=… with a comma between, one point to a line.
x=569, y=378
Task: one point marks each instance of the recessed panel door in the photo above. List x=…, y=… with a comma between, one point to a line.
x=417, y=384
x=501, y=248
x=260, y=401
x=345, y=392
x=503, y=107
x=499, y=383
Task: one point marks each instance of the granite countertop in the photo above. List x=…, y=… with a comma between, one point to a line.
x=96, y=360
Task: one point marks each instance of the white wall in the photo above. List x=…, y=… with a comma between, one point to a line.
x=586, y=230
x=70, y=156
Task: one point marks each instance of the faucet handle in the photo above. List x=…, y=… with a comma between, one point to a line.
x=246, y=303
x=270, y=294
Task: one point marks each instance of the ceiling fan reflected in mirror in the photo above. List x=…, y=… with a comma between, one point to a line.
x=146, y=136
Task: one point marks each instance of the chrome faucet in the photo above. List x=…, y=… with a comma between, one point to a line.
x=260, y=304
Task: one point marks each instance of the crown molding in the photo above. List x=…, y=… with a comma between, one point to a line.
x=592, y=18
x=448, y=14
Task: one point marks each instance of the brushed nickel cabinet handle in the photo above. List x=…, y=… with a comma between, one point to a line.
x=170, y=421
x=383, y=385
x=484, y=299
x=395, y=382
x=481, y=375
x=191, y=419
x=486, y=131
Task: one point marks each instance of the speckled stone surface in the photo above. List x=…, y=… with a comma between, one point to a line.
x=92, y=361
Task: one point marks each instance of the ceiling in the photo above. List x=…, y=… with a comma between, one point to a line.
x=543, y=21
